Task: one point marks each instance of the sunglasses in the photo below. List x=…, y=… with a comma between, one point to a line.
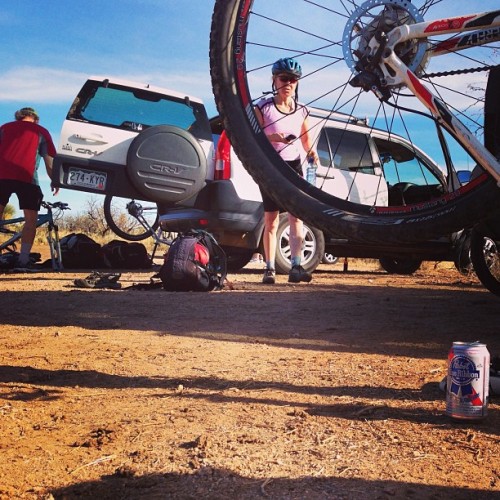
x=288, y=79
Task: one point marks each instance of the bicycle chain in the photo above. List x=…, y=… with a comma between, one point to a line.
x=459, y=71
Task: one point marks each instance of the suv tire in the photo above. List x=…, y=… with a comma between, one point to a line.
x=237, y=258
x=166, y=164
x=400, y=266
x=485, y=259
x=462, y=259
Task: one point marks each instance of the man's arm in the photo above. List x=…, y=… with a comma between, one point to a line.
x=48, y=160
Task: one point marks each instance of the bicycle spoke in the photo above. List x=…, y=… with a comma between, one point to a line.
x=329, y=9
x=427, y=5
x=333, y=43
x=125, y=221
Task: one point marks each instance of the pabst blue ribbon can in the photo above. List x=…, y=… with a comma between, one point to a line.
x=468, y=381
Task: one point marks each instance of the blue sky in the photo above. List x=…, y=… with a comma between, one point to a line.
x=49, y=48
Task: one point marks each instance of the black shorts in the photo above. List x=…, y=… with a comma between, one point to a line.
x=30, y=196
x=269, y=204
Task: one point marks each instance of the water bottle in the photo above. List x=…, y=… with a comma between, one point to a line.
x=311, y=171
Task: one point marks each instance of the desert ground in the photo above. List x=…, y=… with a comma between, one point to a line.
x=326, y=390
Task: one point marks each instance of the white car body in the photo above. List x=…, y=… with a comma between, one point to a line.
x=357, y=187
x=132, y=140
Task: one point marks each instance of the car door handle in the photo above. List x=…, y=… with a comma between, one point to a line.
x=96, y=139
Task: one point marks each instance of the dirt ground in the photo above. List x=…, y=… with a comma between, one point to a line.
x=310, y=391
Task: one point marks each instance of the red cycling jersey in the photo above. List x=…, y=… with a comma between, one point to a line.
x=22, y=144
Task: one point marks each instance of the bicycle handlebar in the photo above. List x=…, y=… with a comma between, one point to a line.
x=57, y=204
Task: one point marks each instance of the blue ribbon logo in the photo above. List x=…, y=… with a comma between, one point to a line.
x=463, y=373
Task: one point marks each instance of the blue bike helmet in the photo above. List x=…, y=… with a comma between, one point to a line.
x=287, y=65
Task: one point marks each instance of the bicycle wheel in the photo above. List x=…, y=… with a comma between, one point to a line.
x=125, y=225
x=6, y=233
x=329, y=39
x=485, y=256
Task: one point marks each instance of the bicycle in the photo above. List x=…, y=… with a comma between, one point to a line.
x=49, y=219
x=132, y=221
x=388, y=62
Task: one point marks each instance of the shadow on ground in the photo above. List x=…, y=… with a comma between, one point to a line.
x=215, y=484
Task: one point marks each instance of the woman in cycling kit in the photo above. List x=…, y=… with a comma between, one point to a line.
x=284, y=121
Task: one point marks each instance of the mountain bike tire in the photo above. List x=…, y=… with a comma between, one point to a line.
x=230, y=80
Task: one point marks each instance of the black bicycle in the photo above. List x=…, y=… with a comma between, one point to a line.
x=10, y=230
x=129, y=219
x=136, y=221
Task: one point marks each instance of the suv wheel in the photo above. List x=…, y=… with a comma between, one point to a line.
x=485, y=256
x=329, y=258
x=312, y=252
x=400, y=266
x=461, y=253
x=237, y=258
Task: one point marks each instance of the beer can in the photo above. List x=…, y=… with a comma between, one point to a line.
x=468, y=381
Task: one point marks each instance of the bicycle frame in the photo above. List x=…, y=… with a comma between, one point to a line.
x=52, y=232
x=485, y=28
x=136, y=210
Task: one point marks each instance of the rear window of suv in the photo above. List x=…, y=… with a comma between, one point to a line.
x=137, y=109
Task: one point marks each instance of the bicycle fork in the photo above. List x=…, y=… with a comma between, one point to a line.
x=55, y=247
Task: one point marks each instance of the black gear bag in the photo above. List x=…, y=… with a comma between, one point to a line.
x=194, y=262
x=79, y=251
x=118, y=254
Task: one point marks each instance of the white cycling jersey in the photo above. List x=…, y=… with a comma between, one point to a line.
x=275, y=121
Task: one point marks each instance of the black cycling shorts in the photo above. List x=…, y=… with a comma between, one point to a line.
x=30, y=196
x=269, y=204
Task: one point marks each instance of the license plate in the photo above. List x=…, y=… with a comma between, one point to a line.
x=87, y=178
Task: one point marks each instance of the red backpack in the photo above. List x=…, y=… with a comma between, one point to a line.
x=194, y=262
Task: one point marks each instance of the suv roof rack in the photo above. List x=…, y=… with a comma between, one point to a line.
x=336, y=115
x=325, y=114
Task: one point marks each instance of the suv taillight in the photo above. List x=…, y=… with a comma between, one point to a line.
x=223, y=159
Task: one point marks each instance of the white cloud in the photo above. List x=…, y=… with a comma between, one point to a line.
x=39, y=84
x=51, y=85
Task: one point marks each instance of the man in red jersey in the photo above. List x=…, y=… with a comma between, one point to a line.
x=22, y=143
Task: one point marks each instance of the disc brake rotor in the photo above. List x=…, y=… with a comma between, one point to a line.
x=371, y=19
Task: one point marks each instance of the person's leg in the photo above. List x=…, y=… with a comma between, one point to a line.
x=27, y=235
x=296, y=239
x=4, y=196
x=30, y=198
x=271, y=221
x=297, y=272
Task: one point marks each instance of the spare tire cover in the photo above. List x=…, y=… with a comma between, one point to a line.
x=166, y=164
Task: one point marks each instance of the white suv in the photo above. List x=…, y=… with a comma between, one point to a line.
x=368, y=167
x=135, y=141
